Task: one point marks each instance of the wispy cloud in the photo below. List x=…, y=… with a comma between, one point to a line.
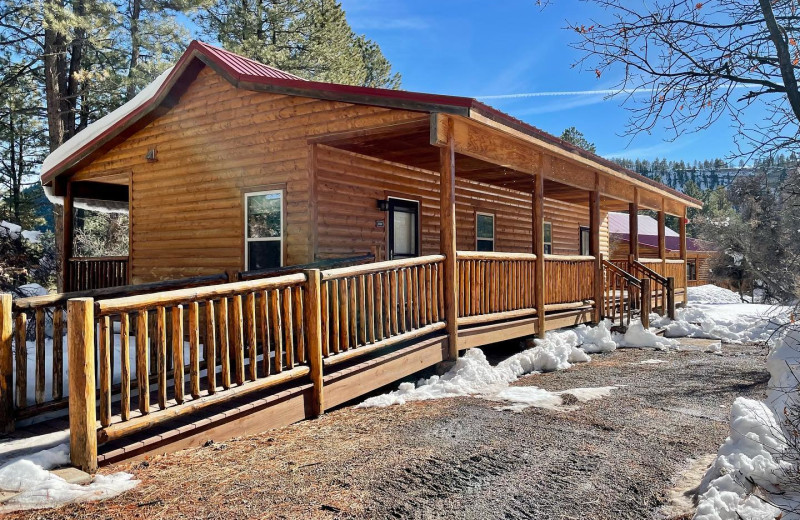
x=662, y=149
x=377, y=23
x=560, y=105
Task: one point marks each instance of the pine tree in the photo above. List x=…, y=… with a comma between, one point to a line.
x=309, y=38
x=574, y=136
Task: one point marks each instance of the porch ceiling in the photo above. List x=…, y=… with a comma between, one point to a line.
x=412, y=147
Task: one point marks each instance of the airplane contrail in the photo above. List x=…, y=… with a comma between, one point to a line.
x=601, y=92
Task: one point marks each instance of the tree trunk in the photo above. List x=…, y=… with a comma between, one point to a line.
x=135, y=44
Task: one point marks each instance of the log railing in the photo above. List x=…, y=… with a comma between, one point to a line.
x=368, y=307
x=495, y=286
x=87, y=273
x=149, y=358
x=663, y=289
x=246, y=335
x=39, y=331
x=569, y=281
x=676, y=269
x=624, y=295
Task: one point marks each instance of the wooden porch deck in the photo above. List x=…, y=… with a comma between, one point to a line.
x=283, y=348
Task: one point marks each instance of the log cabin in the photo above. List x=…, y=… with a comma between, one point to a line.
x=480, y=228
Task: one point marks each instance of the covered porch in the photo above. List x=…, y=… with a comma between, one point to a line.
x=106, y=193
x=523, y=283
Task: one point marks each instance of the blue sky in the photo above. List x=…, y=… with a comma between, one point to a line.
x=504, y=47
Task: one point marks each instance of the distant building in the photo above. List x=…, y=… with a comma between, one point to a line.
x=698, y=252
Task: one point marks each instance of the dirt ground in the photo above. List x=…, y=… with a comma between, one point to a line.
x=461, y=458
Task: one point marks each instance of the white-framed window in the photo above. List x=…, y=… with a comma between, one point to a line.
x=484, y=232
x=263, y=229
x=548, y=238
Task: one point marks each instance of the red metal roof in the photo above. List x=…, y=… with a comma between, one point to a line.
x=243, y=69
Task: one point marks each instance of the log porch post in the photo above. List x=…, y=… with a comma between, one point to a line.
x=6, y=366
x=662, y=241
x=82, y=415
x=594, y=245
x=447, y=241
x=538, y=250
x=633, y=225
x=313, y=319
x=66, y=236
x=682, y=234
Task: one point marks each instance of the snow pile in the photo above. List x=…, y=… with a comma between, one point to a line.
x=731, y=323
x=747, y=459
x=748, y=479
x=637, y=336
x=473, y=375
x=13, y=231
x=711, y=295
x=10, y=230
x=39, y=488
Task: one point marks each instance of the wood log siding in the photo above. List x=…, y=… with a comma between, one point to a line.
x=348, y=185
x=86, y=274
x=225, y=141
x=568, y=279
x=494, y=285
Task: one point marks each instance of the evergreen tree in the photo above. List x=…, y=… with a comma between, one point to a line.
x=308, y=38
x=574, y=136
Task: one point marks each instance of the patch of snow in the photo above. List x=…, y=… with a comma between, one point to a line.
x=14, y=231
x=16, y=448
x=10, y=230
x=638, y=337
x=522, y=397
x=711, y=295
x=39, y=488
x=31, y=289
x=472, y=375
x=651, y=361
x=748, y=479
x=748, y=456
x=32, y=236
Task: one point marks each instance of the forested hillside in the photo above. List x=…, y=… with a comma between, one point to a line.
x=709, y=174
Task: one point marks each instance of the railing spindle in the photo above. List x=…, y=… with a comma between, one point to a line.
x=177, y=351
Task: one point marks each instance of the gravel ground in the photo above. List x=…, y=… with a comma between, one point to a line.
x=460, y=458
